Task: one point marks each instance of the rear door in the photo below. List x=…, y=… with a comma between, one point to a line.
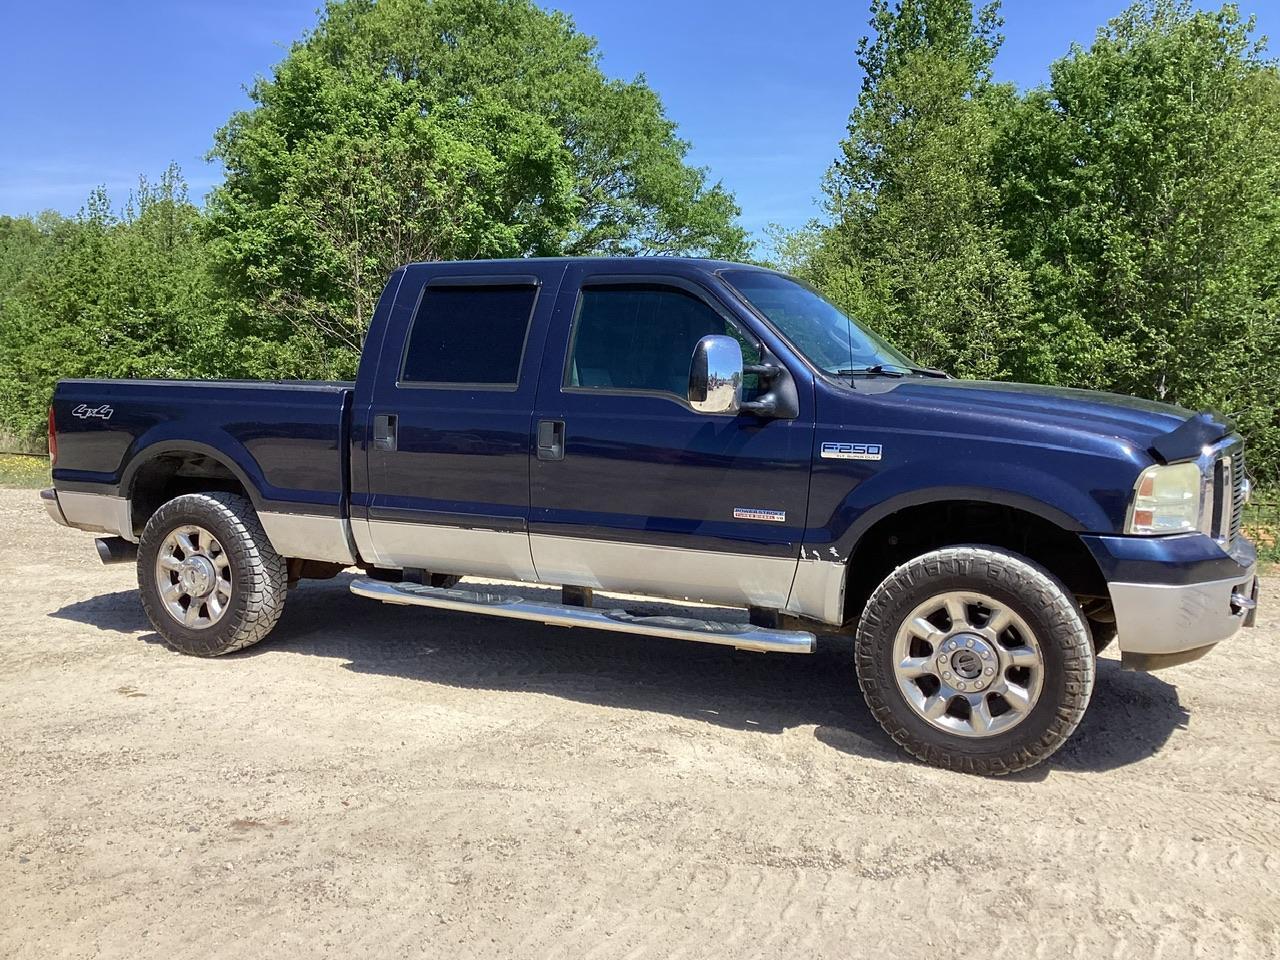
x=634, y=490
x=449, y=424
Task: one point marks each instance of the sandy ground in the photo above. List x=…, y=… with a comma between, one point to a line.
x=388, y=782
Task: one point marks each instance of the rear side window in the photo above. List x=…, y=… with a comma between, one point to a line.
x=641, y=338
x=469, y=334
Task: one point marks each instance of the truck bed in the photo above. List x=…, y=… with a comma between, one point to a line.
x=286, y=440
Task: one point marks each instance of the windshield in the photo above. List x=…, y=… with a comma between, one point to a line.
x=830, y=340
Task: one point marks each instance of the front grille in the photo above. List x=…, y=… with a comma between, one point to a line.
x=1237, y=492
x=1229, y=490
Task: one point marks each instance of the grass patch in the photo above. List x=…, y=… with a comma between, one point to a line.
x=20, y=471
x=1262, y=524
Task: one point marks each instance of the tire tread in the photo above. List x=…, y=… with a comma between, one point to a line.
x=254, y=560
x=1041, y=591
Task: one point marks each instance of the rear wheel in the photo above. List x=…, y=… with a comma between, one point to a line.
x=211, y=582
x=975, y=659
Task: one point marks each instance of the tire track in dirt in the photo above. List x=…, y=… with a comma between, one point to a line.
x=373, y=780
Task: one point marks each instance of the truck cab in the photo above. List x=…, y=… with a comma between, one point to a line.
x=701, y=431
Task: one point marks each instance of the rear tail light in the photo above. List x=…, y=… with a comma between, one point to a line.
x=53, y=438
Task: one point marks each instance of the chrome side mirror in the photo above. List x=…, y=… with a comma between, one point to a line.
x=715, y=375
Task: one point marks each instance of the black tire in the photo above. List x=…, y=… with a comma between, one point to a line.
x=1103, y=633
x=1026, y=590
x=259, y=578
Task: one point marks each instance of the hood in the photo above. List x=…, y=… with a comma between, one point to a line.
x=1167, y=431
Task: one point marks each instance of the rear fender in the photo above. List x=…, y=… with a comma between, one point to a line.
x=233, y=456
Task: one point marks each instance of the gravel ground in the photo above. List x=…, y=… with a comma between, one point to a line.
x=389, y=782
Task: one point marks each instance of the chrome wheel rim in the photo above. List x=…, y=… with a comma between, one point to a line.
x=193, y=575
x=967, y=664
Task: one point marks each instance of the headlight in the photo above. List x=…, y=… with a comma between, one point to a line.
x=1166, y=499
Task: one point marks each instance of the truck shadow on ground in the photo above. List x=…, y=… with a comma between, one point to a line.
x=1131, y=716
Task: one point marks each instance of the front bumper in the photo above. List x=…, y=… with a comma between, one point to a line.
x=1171, y=607
x=1161, y=625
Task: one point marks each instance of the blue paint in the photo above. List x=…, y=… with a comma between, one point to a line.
x=643, y=466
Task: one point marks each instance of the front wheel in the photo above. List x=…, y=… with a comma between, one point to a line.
x=210, y=580
x=975, y=659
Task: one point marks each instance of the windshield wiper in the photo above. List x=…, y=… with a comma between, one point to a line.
x=878, y=369
x=893, y=370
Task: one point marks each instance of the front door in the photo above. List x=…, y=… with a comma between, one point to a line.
x=632, y=489
x=450, y=419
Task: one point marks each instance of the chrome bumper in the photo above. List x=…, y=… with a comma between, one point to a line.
x=1161, y=625
x=95, y=512
x=49, y=497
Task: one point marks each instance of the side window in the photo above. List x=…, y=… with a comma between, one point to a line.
x=469, y=334
x=641, y=337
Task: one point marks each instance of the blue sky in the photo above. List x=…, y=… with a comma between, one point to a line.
x=98, y=93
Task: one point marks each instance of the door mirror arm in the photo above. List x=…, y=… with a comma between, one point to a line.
x=780, y=401
x=766, y=406
x=768, y=372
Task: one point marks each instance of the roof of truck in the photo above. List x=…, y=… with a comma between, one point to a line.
x=703, y=263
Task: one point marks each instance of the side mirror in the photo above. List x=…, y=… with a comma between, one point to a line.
x=715, y=375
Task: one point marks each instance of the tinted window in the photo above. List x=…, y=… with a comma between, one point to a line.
x=464, y=334
x=642, y=338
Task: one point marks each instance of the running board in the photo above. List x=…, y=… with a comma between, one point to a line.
x=744, y=636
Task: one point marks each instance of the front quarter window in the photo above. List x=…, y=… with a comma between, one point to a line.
x=814, y=326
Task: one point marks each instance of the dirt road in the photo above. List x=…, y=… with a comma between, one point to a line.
x=385, y=782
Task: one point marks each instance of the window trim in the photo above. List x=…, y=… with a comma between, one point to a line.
x=680, y=284
x=469, y=280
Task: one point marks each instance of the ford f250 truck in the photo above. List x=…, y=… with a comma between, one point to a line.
x=694, y=430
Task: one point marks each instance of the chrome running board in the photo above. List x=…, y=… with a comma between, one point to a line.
x=744, y=636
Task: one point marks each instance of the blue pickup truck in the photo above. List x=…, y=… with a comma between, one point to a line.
x=694, y=430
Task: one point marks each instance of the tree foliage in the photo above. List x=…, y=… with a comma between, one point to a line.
x=1142, y=196
x=410, y=130
x=1117, y=229
x=915, y=245
x=105, y=296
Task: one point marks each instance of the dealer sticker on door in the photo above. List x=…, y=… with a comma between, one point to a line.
x=842, y=450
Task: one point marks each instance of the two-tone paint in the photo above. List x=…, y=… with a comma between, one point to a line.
x=648, y=495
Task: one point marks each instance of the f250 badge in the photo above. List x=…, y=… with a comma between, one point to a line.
x=840, y=450
x=84, y=412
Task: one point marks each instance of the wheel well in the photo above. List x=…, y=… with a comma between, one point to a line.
x=906, y=534
x=173, y=474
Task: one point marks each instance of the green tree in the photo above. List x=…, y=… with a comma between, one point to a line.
x=409, y=130
x=1142, y=195
x=915, y=244
x=108, y=296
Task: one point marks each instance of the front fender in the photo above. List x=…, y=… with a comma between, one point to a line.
x=1057, y=499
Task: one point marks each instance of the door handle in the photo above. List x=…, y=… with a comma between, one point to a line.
x=550, y=439
x=384, y=431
